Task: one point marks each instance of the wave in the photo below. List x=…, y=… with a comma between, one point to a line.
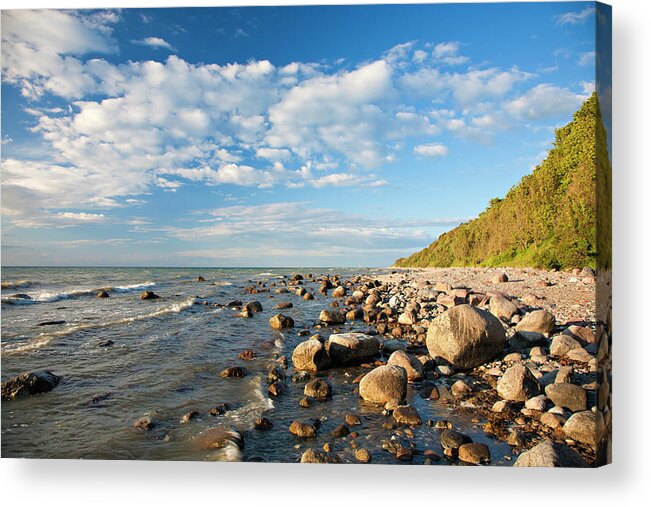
x=19, y=284
x=44, y=339
x=246, y=415
x=51, y=297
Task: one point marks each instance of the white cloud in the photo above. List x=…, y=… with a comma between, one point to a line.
x=575, y=18
x=587, y=58
x=431, y=150
x=545, y=101
x=155, y=43
x=448, y=53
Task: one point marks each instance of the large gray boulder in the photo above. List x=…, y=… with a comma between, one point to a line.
x=538, y=321
x=518, y=384
x=351, y=348
x=383, y=384
x=550, y=454
x=567, y=395
x=502, y=307
x=412, y=366
x=466, y=337
x=586, y=427
x=310, y=355
x=27, y=384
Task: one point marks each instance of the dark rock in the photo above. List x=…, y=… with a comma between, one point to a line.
x=144, y=423
x=247, y=355
x=263, y=424
x=189, y=416
x=27, y=384
x=281, y=321
x=474, y=453
x=253, y=306
x=233, y=371
x=220, y=409
x=312, y=456
x=303, y=430
x=147, y=295
x=407, y=415
x=318, y=388
x=340, y=431
x=102, y=294
x=284, y=305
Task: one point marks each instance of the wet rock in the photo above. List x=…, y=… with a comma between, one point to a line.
x=145, y=423
x=102, y=294
x=275, y=374
x=340, y=431
x=105, y=343
x=550, y=454
x=301, y=376
x=466, y=337
x=362, y=455
x=460, y=389
x=247, y=355
x=538, y=321
x=339, y=292
x=352, y=420
x=276, y=389
x=281, y=321
x=310, y=355
x=308, y=296
x=329, y=317
x=263, y=424
x=407, y=415
x=51, y=323
x=233, y=371
x=502, y=308
x=318, y=388
x=585, y=427
x=200, y=279
x=567, y=395
x=304, y=402
x=302, y=429
x=312, y=456
x=189, y=416
x=351, y=348
x=148, y=295
x=253, y=306
x=383, y=384
x=218, y=438
x=518, y=384
x=412, y=366
x=28, y=384
x=451, y=440
x=220, y=409
x=284, y=305
x=474, y=453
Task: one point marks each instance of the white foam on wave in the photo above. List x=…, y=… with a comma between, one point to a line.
x=44, y=339
x=12, y=300
x=136, y=286
x=51, y=297
x=246, y=415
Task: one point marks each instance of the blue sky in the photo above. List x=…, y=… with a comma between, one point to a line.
x=279, y=136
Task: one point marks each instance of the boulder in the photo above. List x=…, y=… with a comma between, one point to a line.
x=451, y=439
x=383, y=384
x=339, y=292
x=302, y=429
x=27, y=384
x=412, y=366
x=408, y=318
x=330, y=318
x=567, y=395
x=538, y=321
x=281, y=321
x=581, y=333
x=407, y=415
x=460, y=389
x=550, y=454
x=318, y=388
x=474, y=453
x=562, y=344
x=517, y=384
x=312, y=456
x=103, y=294
x=502, y=308
x=351, y=348
x=585, y=427
x=148, y=295
x=310, y=355
x=500, y=278
x=466, y=337
x=253, y=306
x=233, y=371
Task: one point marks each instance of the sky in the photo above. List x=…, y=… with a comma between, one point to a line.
x=275, y=136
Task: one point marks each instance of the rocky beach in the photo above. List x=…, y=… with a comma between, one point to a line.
x=451, y=366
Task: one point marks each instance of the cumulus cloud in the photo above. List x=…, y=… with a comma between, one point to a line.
x=155, y=43
x=431, y=150
x=545, y=101
x=448, y=53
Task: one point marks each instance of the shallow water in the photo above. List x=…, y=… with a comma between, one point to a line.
x=165, y=361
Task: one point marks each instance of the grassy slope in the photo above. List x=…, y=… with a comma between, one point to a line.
x=549, y=219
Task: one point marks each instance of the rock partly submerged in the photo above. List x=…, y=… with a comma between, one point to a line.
x=28, y=384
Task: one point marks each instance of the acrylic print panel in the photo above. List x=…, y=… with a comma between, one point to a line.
x=323, y=234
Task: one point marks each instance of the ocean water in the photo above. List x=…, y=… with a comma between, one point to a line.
x=165, y=361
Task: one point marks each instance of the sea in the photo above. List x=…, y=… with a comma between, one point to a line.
x=122, y=358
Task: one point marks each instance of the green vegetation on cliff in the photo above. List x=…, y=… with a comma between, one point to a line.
x=549, y=219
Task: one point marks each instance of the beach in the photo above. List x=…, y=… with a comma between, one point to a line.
x=200, y=372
